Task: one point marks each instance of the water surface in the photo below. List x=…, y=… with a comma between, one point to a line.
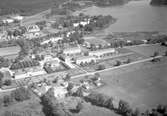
x=134, y=16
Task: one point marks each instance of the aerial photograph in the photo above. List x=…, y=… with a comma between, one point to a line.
x=83, y=57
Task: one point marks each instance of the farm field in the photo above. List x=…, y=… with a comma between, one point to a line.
x=142, y=85
x=148, y=50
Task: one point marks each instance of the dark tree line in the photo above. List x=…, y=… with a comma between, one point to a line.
x=24, y=64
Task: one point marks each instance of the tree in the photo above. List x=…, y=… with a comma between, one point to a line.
x=79, y=107
x=155, y=58
x=21, y=94
x=7, y=100
x=1, y=79
x=118, y=63
x=155, y=54
x=100, y=67
x=123, y=107
x=128, y=61
x=136, y=112
x=79, y=92
x=96, y=76
x=70, y=86
x=8, y=82
x=51, y=106
x=166, y=53
x=67, y=78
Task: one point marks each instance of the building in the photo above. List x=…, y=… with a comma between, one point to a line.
x=33, y=29
x=85, y=59
x=32, y=35
x=72, y=51
x=75, y=24
x=54, y=63
x=8, y=21
x=53, y=40
x=102, y=52
x=28, y=72
x=10, y=52
x=60, y=92
x=18, y=17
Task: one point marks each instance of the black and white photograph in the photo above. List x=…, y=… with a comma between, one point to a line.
x=83, y=57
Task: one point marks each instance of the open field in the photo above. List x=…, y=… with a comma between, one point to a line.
x=32, y=105
x=26, y=7
x=148, y=50
x=142, y=85
x=90, y=110
x=28, y=20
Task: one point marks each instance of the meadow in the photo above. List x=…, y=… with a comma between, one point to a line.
x=26, y=7
x=142, y=85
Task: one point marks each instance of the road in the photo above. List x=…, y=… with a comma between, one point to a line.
x=100, y=71
x=117, y=67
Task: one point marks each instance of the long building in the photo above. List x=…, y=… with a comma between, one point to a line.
x=85, y=59
x=102, y=52
x=72, y=51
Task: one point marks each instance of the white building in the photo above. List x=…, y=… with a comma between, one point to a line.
x=18, y=17
x=69, y=62
x=60, y=92
x=33, y=29
x=75, y=24
x=85, y=59
x=32, y=35
x=54, y=63
x=8, y=21
x=21, y=74
x=84, y=23
x=102, y=52
x=72, y=51
x=53, y=40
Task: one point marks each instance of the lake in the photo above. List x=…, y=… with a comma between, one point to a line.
x=134, y=16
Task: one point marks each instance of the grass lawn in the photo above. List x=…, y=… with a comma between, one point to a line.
x=148, y=50
x=142, y=85
x=90, y=110
x=32, y=105
x=28, y=7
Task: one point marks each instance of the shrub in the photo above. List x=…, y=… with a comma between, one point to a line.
x=155, y=54
x=79, y=107
x=124, y=107
x=118, y=63
x=100, y=100
x=166, y=53
x=51, y=107
x=100, y=67
x=21, y=94
x=7, y=100
x=8, y=82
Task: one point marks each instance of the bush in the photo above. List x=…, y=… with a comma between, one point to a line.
x=7, y=100
x=79, y=107
x=166, y=53
x=21, y=94
x=1, y=79
x=118, y=63
x=155, y=54
x=51, y=107
x=100, y=100
x=8, y=82
x=128, y=61
x=100, y=67
x=124, y=107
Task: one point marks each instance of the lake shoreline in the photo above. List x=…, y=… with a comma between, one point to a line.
x=135, y=16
